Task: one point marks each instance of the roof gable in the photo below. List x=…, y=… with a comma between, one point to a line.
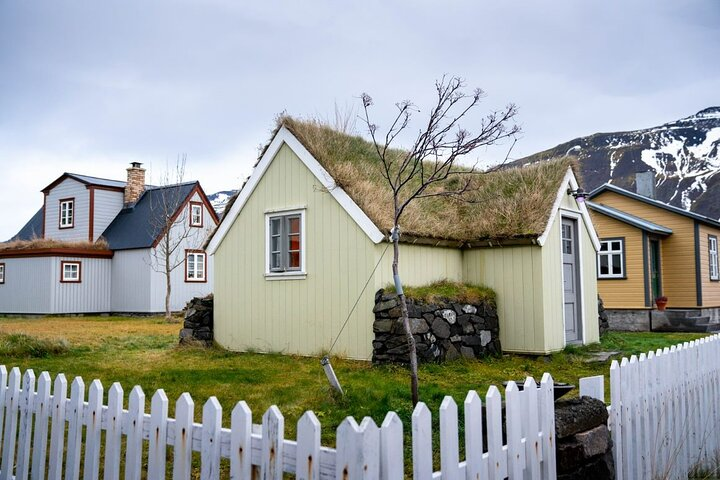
x=87, y=180
x=138, y=226
x=630, y=219
x=655, y=203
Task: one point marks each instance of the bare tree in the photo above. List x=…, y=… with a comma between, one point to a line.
x=422, y=170
x=173, y=227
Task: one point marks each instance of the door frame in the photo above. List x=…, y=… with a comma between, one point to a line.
x=577, y=217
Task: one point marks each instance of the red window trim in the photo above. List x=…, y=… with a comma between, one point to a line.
x=62, y=271
x=189, y=251
x=202, y=215
x=60, y=202
x=2, y=266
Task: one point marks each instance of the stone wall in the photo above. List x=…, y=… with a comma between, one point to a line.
x=584, y=446
x=198, y=323
x=444, y=331
x=602, y=317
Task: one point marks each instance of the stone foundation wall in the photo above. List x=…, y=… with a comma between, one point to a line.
x=444, y=331
x=584, y=445
x=629, y=320
x=603, y=320
x=198, y=323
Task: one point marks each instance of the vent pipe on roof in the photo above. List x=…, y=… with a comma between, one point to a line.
x=135, y=183
x=645, y=184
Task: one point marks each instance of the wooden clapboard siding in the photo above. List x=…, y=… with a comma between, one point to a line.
x=300, y=316
x=626, y=292
x=420, y=264
x=677, y=250
x=710, y=288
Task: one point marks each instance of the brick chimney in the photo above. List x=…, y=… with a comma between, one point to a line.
x=135, y=183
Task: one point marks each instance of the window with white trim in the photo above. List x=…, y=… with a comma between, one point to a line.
x=196, y=214
x=70, y=272
x=2, y=273
x=285, y=243
x=195, y=266
x=67, y=213
x=713, y=256
x=611, y=258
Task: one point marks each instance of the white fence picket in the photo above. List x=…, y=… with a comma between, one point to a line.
x=273, y=431
x=307, y=466
x=391, y=448
x=11, y=424
x=422, y=442
x=57, y=434
x=449, y=450
x=113, y=434
x=182, y=455
x=547, y=423
x=158, y=435
x=74, y=413
x=210, y=454
x=27, y=398
x=135, y=417
x=3, y=399
x=93, y=423
x=42, y=417
x=516, y=449
x=240, y=443
x=616, y=418
x=497, y=454
x=370, y=451
x=476, y=469
x=531, y=430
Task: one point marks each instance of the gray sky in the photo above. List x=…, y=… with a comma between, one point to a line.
x=87, y=87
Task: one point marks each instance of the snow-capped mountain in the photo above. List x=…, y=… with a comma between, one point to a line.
x=684, y=154
x=220, y=199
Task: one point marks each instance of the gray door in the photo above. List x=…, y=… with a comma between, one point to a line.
x=571, y=289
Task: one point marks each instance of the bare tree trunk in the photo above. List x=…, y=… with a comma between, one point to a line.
x=412, y=351
x=168, y=285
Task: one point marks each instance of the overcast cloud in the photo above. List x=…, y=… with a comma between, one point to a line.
x=87, y=87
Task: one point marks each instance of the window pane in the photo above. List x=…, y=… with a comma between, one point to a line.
x=617, y=269
x=604, y=246
x=294, y=243
x=294, y=225
x=567, y=247
x=275, y=260
x=604, y=265
x=294, y=260
x=616, y=246
x=275, y=226
x=275, y=244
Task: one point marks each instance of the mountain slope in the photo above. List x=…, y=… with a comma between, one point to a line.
x=684, y=154
x=220, y=199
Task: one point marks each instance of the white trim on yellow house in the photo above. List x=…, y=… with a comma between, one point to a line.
x=562, y=191
x=284, y=136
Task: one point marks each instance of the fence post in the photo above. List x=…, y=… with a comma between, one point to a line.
x=210, y=444
x=370, y=449
x=182, y=454
x=449, y=450
x=391, y=448
x=273, y=431
x=307, y=464
x=240, y=442
x=422, y=442
x=474, y=438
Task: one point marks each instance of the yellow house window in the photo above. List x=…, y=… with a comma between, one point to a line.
x=713, y=256
x=611, y=258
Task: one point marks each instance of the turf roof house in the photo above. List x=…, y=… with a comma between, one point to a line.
x=301, y=239
x=651, y=249
x=96, y=256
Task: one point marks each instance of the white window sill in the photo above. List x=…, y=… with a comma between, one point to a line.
x=286, y=276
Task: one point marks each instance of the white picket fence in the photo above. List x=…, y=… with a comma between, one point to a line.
x=31, y=417
x=664, y=413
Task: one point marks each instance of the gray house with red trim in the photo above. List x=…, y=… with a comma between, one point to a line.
x=100, y=248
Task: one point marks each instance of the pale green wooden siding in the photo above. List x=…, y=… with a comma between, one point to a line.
x=516, y=275
x=419, y=265
x=294, y=316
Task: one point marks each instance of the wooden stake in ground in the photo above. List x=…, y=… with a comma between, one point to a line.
x=424, y=170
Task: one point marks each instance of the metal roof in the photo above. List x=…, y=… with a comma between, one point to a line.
x=97, y=181
x=625, y=217
x=138, y=226
x=32, y=229
x=653, y=202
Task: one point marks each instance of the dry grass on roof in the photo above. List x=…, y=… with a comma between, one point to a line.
x=36, y=243
x=510, y=203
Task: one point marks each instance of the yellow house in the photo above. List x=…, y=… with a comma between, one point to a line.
x=650, y=249
x=307, y=237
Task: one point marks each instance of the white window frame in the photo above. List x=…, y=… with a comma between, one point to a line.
x=196, y=206
x=70, y=279
x=2, y=273
x=67, y=221
x=713, y=257
x=195, y=255
x=610, y=253
x=286, y=274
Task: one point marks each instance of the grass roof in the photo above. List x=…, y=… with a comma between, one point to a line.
x=508, y=203
x=36, y=243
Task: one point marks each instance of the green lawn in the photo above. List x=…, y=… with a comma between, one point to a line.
x=144, y=351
